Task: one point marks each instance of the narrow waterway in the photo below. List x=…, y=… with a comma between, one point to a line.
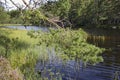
x=27, y=28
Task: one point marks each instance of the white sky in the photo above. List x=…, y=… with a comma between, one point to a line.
x=18, y=2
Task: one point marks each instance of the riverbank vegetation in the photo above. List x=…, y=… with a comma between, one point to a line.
x=22, y=49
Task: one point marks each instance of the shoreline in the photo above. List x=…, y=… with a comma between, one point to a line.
x=2, y=25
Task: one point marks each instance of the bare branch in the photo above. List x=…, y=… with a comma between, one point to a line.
x=15, y=4
x=33, y=7
x=30, y=1
x=27, y=5
x=35, y=3
x=53, y=23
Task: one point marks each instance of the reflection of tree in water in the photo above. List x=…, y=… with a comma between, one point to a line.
x=56, y=67
x=25, y=26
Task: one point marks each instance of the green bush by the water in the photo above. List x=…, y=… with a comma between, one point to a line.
x=24, y=51
x=71, y=43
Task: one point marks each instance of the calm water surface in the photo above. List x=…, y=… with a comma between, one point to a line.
x=109, y=39
x=28, y=28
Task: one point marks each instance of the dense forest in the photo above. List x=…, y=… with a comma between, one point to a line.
x=65, y=42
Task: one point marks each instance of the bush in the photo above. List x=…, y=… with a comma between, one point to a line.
x=71, y=43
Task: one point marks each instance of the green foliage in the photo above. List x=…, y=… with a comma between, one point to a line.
x=57, y=8
x=32, y=17
x=4, y=17
x=12, y=16
x=88, y=13
x=80, y=12
x=4, y=43
x=63, y=8
x=14, y=13
x=22, y=54
x=67, y=43
x=10, y=42
x=24, y=59
x=71, y=43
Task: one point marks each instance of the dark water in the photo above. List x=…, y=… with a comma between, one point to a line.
x=107, y=70
x=109, y=39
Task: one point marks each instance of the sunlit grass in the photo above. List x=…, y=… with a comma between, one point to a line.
x=21, y=35
x=22, y=53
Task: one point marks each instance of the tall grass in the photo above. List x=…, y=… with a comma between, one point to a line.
x=22, y=52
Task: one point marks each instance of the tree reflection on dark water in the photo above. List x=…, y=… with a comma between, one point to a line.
x=107, y=70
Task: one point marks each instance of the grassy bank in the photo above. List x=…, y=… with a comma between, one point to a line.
x=21, y=52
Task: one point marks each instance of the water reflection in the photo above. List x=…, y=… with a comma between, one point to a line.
x=72, y=70
x=109, y=39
